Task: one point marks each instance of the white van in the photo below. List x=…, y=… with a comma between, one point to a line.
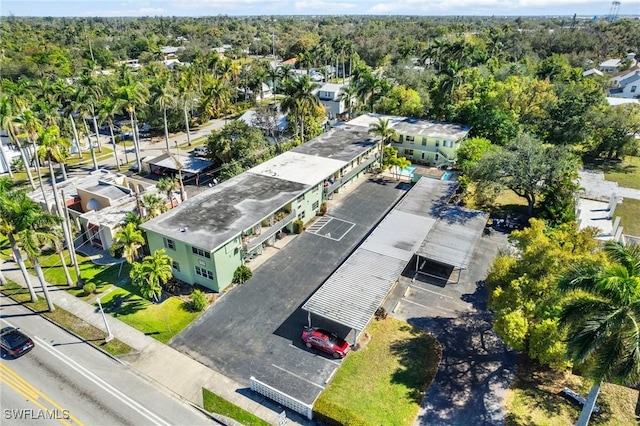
x=200, y=151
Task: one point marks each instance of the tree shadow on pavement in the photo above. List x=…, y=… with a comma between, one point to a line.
x=475, y=370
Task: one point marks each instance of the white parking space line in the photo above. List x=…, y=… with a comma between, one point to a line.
x=296, y=376
x=427, y=307
x=317, y=356
x=322, y=222
x=430, y=291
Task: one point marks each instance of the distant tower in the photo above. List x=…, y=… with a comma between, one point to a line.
x=613, y=12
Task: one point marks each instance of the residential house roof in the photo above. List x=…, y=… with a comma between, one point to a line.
x=611, y=63
x=169, y=50
x=190, y=164
x=592, y=71
x=621, y=101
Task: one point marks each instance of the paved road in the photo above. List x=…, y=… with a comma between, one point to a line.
x=64, y=373
x=255, y=329
x=476, y=368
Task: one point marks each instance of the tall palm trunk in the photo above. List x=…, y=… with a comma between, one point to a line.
x=75, y=135
x=63, y=169
x=186, y=124
x=67, y=275
x=587, y=409
x=43, y=283
x=40, y=182
x=96, y=129
x=93, y=154
x=71, y=244
x=5, y=160
x=65, y=228
x=23, y=268
x=166, y=127
x=115, y=146
x=27, y=166
x=135, y=141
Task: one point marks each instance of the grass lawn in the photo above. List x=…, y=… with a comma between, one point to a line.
x=161, y=321
x=214, y=404
x=534, y=400
x=629, y=211
x=383, y=383
x=66, y=320
x=627, y=174
x=74, y=160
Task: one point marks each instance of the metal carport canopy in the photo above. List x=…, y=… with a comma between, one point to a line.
x=353, y=293
x=453, y=237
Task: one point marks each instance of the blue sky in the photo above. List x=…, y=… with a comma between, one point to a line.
x=312, y=7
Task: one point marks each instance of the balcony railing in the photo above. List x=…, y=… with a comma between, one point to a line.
x=268, y=232
x=357, y=169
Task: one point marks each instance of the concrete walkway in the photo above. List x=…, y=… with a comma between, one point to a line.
x=160, y=363
x=596, y=187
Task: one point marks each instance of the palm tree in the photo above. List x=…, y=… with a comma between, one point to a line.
x=31, y=125
x=382, y=129
x=168, y=185
x=37, y=228
x=131, y=94
x=186, y=88
x=130, y=239
x=601, y=312
x=349, y=95
x=215, y=98
x=153, y=205
x=51, y=146
x=162, y=93
x=81, y=105
x=152, y=273
x=300, y=100
x=107, y=110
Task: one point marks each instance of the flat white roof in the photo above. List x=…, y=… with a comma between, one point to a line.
x=301, y=168
x=611, y=63
x=621, y=101
x=366, y=119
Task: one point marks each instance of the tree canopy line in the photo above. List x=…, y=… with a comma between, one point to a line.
x=559, y=298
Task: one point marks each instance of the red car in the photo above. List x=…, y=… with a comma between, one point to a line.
x=325, y=341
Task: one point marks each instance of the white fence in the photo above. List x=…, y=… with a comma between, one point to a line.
x=281, y=398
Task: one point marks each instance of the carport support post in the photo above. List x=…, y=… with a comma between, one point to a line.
x=357, y=336
x=309, y=318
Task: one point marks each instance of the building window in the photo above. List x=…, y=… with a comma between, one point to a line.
x=301, y=215
x=424, y=142
x=315, y=205
x=437, y=156
x=410, y=139
x=408, y=152
x=633, y=89
x=447, y=144
x=201, y=252
x=437, y=142
x=422, y=156
x=204, y=273
x=175, y=265
x=169, y=244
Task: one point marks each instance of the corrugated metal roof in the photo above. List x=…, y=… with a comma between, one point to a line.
x=421, y=223
x=359, y=286
x=451, y=241
x=353, y=293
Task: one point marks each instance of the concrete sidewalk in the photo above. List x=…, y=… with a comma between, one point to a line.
x=177, y=372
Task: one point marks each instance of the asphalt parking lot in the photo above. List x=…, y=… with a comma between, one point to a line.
x=476, y=367
x=254, y=330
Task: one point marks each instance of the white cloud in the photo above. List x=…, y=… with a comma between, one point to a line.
x=325, y=7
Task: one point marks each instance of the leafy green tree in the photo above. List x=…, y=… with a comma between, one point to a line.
x=154, y=205
x=150, y=274
x=401, y=101
x=242, y=274
x=239, y=142
x=300, y=100
x=526, y=166
x=522, y=288
x=129, y=239
x=471, y=151
x=601, y=311
x=198, y=300
x=615, y=131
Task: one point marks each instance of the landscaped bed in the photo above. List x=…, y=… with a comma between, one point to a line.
x=161, y=321
x=384, y=382
x=534, y=399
